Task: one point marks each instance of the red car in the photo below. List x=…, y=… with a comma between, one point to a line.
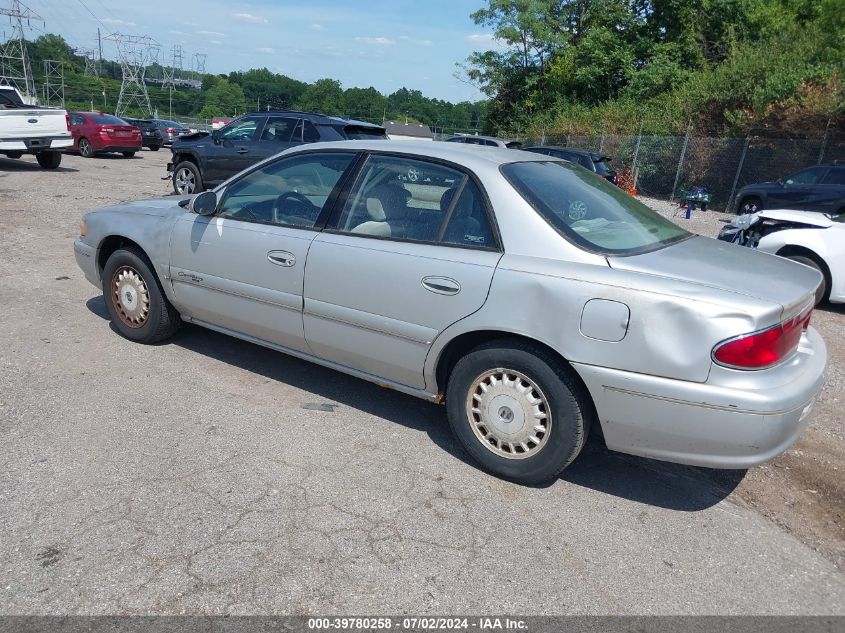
x=97, y=133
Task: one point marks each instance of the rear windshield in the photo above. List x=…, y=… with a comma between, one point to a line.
x=171, y=124
x=106, y=119
x=602, y=166
x=10, y=99
x=513, y=145
x=355, y=133
x=590, y=211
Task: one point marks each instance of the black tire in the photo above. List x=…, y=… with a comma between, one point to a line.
x=704, y=207
x=161, y=319
x=85, y=148
x=751, y=204
x=564, y=400
x=155, y=148
x=128, y=154
x=14, y=154
x=823, y=293
x=49, y=160
x=187, y=178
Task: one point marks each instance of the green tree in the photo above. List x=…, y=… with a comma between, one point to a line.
x=324, y=95
x=223, y=99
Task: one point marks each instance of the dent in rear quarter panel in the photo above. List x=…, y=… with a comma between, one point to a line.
x=671, y=332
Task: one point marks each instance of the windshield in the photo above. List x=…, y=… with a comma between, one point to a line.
x=361, y=133
x=602, y=168
x=590, y=211
x=106, y=119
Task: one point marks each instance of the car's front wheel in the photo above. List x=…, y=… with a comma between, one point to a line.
x=155, y=148
x=134, y=298
x=518, y=410
x=128, y=154
x=187, y=178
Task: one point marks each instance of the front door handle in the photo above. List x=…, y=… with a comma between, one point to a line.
x=242, y=150
x=281, y=258
x=441, y=285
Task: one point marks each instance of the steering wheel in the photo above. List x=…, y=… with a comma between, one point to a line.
x=279, y=206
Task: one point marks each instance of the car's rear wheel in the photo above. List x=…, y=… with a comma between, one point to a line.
x=49, y=160
x=823, y=293
x=518, y=411
x=187, y=178
x=134, y=298
x=85, y=148
x=128, y=154
x=14, y=154
x=749, y=205
x=155, y=148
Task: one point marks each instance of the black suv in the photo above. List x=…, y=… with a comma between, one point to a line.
x=819, y=188
x=150, y=135
x=593, y=161
x=204, y=160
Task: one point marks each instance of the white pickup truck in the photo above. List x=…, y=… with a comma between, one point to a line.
x=29, y=129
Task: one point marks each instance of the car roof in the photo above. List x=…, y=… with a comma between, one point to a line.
x=315, y=117
x=472, y=156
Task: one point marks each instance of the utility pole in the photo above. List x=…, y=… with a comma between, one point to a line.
x=136, y=52
x=15, y=69
x=54, y=82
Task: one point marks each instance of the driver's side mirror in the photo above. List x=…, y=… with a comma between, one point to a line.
x=205, y=203
x=215, y=136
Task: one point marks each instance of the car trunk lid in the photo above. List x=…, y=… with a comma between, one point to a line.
x=728, y=268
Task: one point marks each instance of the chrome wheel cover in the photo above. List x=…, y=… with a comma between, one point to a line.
x=130, y=297
x=508, y=413
x=185, y=180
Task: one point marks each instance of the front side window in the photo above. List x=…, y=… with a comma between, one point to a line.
x=244, y=129
x=589, y=211
x=288, y=192
x=806, y=177
x=408, y=199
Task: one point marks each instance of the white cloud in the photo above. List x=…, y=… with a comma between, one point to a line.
x=249, y=17
x=215, y=42
x=118, y=22
x=480, y=37
x=376, y=41
x=318, y=27
x=265, y=49
x=211, y=33
x=177, y=32
x=405, y=38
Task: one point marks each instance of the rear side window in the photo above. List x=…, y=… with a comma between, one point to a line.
x=806, y=177
x=408, y=199
x=589, y=211
x=835, y=177
x=279, y=129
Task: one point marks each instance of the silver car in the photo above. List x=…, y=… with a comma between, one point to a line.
x=534, y=298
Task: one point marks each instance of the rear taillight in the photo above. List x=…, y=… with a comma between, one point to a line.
x=765, y=348
x=67, y=122
x=170, y=130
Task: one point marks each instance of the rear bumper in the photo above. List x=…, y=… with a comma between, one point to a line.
x=86, y=259
x=33, y=145
x=118, y=148
x=718, y=426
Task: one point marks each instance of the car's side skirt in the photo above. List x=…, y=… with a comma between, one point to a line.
x=379, y=380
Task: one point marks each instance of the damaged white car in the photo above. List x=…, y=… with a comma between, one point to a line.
x=814, y=239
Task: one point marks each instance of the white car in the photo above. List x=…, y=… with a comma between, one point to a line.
x=810, y=238
x=31, y=129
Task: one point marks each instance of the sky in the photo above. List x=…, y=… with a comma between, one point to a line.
x=387, y=44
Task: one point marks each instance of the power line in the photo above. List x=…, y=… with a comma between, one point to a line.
x=15, y=68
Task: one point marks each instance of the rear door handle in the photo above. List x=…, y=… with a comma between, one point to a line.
x=242, y=150
x=441, y=285
x=281, y=258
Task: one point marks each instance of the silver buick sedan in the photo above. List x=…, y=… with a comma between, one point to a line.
x=531, y=296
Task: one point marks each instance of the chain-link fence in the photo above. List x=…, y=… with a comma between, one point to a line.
x=667, y=166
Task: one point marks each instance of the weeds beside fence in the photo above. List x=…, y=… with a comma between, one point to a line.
x=666, y=166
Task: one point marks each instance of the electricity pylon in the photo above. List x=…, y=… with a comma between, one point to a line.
x=198, y=62
x=135, y=52
x=92, y=68
x=15, y=69
x=54, y=82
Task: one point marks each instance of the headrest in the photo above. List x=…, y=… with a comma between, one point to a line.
x=388, y=202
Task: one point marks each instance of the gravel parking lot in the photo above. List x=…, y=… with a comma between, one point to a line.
x=208, y=475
